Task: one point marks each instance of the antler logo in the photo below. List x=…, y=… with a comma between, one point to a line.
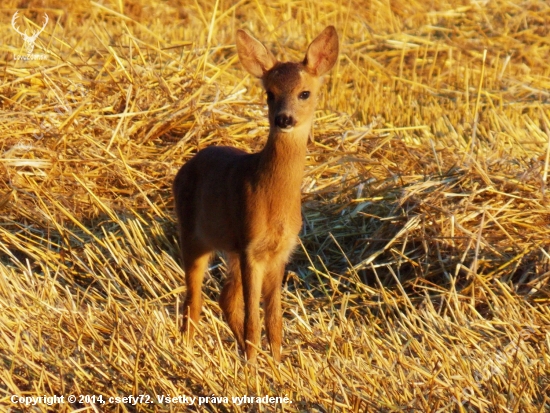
x=29, y=40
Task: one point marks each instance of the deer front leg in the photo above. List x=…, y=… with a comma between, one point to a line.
x=231, y=300
x=272, y=307
x=252, y=277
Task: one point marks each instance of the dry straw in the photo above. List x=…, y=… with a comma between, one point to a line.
x=422, y=279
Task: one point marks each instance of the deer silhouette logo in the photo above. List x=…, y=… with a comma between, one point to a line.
x=29, y=40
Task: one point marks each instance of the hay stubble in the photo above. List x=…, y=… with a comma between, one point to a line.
x=422, y=279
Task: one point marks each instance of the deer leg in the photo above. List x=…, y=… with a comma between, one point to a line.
x=271, y=290
x=231, y=300
x=195, y=265
x=252, y=275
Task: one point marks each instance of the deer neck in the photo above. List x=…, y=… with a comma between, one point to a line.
x=282, y=162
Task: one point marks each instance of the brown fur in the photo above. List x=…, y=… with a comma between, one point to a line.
x=248, y=205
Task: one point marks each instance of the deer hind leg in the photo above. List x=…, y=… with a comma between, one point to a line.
x=195, y=264
x=231, y=299
x=271, y=290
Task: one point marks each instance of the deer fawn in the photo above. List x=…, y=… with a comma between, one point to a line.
x=248, y=205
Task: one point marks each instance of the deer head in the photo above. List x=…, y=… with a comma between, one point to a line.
x=29, y=40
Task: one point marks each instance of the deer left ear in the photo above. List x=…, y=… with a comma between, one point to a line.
x=322, y=53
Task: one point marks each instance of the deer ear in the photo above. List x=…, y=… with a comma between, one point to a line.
x=253, y=55
x=322, y=52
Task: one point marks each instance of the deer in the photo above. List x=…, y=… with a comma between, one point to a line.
x=28, y=41
x=248, y=205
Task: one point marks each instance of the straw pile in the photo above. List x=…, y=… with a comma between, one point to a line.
x=422, y=281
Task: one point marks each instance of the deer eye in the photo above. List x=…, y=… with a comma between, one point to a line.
x=270, y=96
x=303, y=95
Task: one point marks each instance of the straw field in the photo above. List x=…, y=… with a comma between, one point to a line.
x=421, y=283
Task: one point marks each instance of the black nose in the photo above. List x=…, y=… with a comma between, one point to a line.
x=284, y=121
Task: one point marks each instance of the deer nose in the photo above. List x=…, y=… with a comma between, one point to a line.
x=284, y=121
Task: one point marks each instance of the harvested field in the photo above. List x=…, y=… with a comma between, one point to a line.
x=422, y=279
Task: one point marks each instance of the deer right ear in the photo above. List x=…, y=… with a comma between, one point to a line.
x=253, y=55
